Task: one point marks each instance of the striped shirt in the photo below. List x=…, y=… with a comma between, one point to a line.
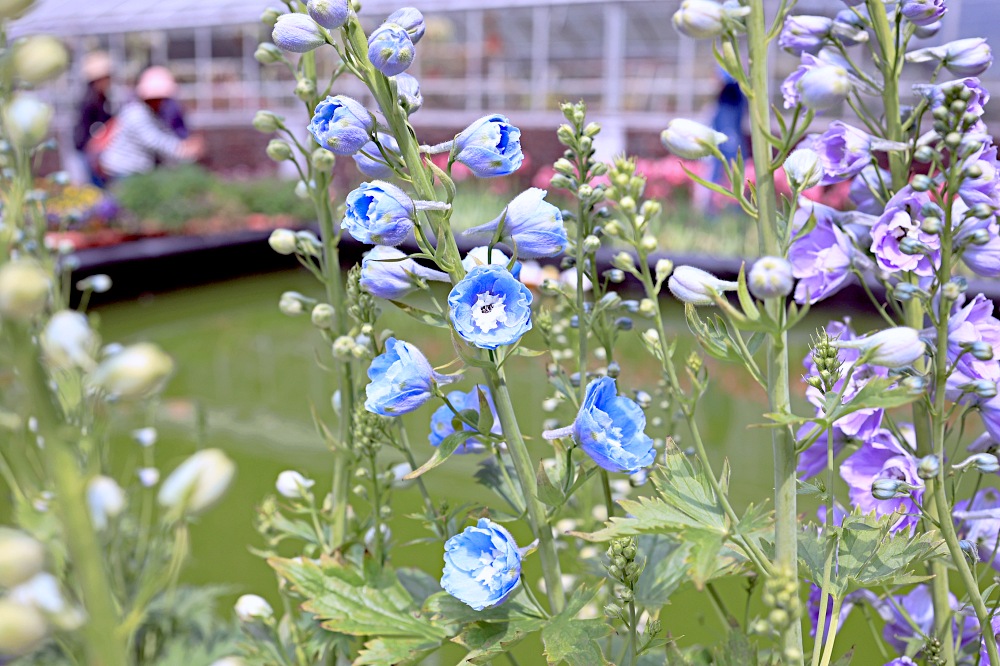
x=139, y=138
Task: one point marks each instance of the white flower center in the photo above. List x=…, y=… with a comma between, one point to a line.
x=491, y=572
x=488, y=312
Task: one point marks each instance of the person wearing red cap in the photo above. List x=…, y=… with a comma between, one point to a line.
x=140, y=137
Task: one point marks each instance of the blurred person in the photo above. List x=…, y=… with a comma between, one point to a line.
x=730, y=112
x=171, y=113
x=140, y=136
x=95, y=107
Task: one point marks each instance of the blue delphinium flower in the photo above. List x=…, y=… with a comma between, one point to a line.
x=341, y=125
x=390, y=49
x=482, y=565
x=490, y=147
x=408, y=92
x=534, y=225
x=388, y=273
x=330, y=14
x=609, y=428
x=489, y=307
x=370, y=160
x=409, y=19
x=297, y=33
x=443, y=420
x=401, y=380
x=379, y=213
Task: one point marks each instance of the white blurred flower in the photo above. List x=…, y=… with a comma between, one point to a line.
x=21, y=557
x=198, y=482
x=148, y=476
x=68, y=341
x=137, y=371
x=106, y=500
x=24, y=290
x=251, y=607
x=293, y=485
x=98, y=284
x=145, y=437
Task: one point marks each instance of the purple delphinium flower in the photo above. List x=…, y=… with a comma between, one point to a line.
x=804, y=34
x=901, y=220
x=984, y=260
x=443, y=419
x=844, y=151
x=974, y=322
x=979, y=522
x=985, y=188
x=812, y=461
x=936, y=93
x=816, y=83
x=821, y=259
x=864, y=187
x=884, y=457
x=922, y=12
x=984, y=655
x=963, y=57
x=899, y=632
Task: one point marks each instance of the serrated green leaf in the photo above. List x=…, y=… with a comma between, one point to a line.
x=349, y=600
x=737, y=651
x=867, y=553
x=703, y=556
x=573, y=641
x=396, y=651
x=877, y=392
x=487, y=633
x=442, y=452
x=685, y=501
x=665, y=570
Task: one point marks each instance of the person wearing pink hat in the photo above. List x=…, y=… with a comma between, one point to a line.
x=139, y=136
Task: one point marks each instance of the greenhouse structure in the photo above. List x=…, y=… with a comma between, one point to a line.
x=521, y=57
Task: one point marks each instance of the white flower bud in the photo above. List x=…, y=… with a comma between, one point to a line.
x=343, y=347
x=695, y=286
x=291, y=303
x=663, y=269
x=647, y=308
x=197, y=482
x=145, y=437
x=21, y=557
x=887, y=489
x=27, y=119
x=293, y=485
x=68, y=342
x=803, y=169
x=136, y=372
x=22, y=628
x=11, y=9
x=148, y=476
x=701, y=19
x=106, y=501
x=282, y=241
x=770, y=277
x=690, y=140
x=322, y=315
x=98, y=284
x=250, y=607
x=892, y=348
x=24, y=290
x=39, y=58
x=651, y=336
x=984, y=463
x=229, y=661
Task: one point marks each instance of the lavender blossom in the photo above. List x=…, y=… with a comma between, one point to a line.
x=805, y=34
x=922, y=12
x=964, y=57
x=899, y=631
x=843, y=150
x=866, y=188
x=900, y=221
x=821, y=259
x=884, y=457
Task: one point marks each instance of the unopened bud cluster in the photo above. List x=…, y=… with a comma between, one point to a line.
x=781, y=595
x=826, y=358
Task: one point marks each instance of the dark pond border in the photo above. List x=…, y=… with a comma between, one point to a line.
x=161, y=264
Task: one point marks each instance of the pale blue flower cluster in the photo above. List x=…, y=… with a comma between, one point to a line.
x=379, y=213
x=611, y=429
x=490, y=308
x=401, y=380
x=443, y=420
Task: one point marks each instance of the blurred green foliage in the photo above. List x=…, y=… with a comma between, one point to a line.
x=173, y=197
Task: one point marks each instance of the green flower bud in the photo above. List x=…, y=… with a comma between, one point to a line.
x=323, y=160
x=266, y=122
x=267, y=53
x=279, y=150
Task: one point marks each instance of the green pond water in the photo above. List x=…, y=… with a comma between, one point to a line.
x=247, y=377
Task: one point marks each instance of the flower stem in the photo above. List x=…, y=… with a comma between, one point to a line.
x=334, y=282
x=783, y=443
x=526, y=476
x=99, y=632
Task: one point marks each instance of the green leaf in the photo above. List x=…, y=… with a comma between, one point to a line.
x=397, y=651
x=746, y=300
x=366, y=602
x=737, y=651
x=487, y=633
x=665, y=571
x=703, y=559
x=423, y=316
x=442, y=452
x=489, y=475
x=547, y=491
x=485, y=423
x=846, y=659
x=877, y=392
x=419, y=584
x=867, y=553
x=685, y=502
x=575, y=641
